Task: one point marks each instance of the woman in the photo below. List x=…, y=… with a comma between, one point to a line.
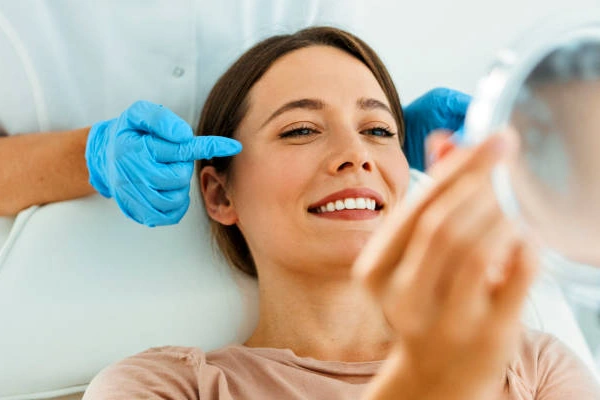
x=414, y=313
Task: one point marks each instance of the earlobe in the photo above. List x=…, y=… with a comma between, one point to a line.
x=216, y=199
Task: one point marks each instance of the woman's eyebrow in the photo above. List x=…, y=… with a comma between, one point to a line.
x=372, y=104
x=317, y=104
x=309, y=104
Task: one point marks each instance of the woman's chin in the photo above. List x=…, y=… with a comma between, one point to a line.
x=328, y=255
x=344, y=250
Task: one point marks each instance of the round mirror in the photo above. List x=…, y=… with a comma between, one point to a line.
x=547, y=88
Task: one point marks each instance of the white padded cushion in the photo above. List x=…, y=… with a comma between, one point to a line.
x=82, y=286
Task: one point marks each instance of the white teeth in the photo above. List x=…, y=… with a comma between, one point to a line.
x=359, y=203
x=371, y=204
x=350, y=204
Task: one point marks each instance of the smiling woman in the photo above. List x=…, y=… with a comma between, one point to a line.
x=359, y=296
x=225, y=108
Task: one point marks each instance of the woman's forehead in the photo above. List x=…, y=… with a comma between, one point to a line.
x=322, y=72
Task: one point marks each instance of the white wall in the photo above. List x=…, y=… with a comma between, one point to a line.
x=432, y=43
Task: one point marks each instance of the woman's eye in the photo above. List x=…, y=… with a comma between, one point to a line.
x=298, y=132
x=379, y=132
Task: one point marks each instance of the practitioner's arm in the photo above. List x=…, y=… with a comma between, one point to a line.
x=42, y=168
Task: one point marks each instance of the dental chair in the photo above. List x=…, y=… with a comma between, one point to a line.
x=82, y=286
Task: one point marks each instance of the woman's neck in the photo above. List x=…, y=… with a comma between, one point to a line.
x=324, y=319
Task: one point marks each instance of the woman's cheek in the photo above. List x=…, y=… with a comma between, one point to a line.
x=395, y=171
x=293, y=164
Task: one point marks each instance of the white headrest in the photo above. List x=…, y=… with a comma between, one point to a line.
x=82, y=286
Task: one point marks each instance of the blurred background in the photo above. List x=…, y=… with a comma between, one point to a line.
x=451, y=43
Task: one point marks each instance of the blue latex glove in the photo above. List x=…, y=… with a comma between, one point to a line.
x=145, y=160
x=439, y=108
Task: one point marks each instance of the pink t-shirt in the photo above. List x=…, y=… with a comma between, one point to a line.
x=544, y=370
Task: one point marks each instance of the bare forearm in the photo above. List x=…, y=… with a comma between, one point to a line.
x=42, y=168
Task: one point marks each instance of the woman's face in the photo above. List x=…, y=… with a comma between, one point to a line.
x=321, y=165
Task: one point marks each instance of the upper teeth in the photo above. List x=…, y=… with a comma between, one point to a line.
x=359, y=203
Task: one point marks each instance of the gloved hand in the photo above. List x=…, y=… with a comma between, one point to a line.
x=439, y=108
x=145, y=160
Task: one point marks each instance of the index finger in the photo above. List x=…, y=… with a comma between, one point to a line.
x=386, y=247
x=196, y=148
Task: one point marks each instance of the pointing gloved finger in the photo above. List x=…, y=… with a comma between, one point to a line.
x=202, y=147
x=159, y=121
x=170, y=176
x=207, y=147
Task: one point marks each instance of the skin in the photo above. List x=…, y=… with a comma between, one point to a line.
x=296, y=252
x=399, y=297
x=41, y=169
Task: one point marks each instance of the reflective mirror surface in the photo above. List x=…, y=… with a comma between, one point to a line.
x=556, y=179
x=547, y=88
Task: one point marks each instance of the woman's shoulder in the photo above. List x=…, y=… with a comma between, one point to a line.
x=546, y=367
x=163, y=357
x=175, y=372
x=171, y=371
x=541, y=352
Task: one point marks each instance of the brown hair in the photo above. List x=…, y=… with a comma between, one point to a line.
x=227, y=105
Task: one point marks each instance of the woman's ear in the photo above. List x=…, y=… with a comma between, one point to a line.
x=216, y=199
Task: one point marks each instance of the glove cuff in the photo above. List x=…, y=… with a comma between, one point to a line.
x=95, y=157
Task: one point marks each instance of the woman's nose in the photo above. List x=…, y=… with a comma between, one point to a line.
x=350, y=153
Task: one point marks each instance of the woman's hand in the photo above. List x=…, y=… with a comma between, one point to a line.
x=451, y=274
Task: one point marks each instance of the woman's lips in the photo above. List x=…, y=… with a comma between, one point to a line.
x=348, y=215
x=349, y=204
x=353, y=194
